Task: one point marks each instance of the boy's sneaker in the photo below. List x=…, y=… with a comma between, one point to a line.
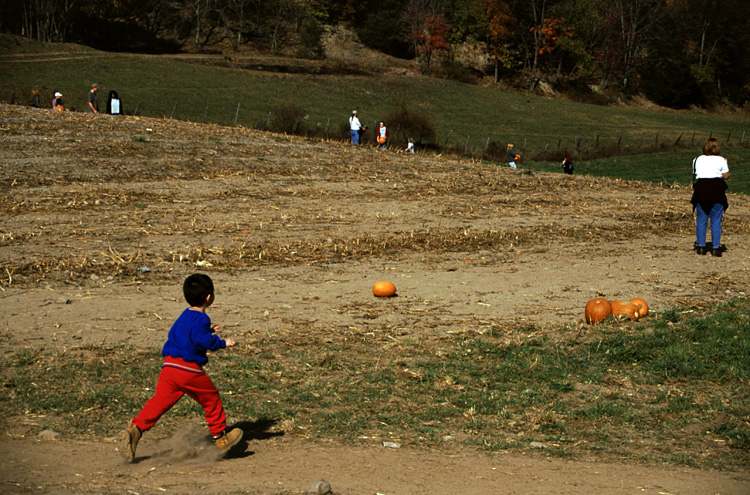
x=128, y=441
x=228, y=440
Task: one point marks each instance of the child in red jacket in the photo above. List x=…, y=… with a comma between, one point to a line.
x=190, y=337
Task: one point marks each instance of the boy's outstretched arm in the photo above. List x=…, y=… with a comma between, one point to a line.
x=228, y=342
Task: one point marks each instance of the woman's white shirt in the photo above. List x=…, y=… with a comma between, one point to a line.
x=710, y=166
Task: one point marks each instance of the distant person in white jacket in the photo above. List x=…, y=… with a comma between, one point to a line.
x=355, y=126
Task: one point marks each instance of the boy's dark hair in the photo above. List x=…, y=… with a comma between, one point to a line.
x=197, y=288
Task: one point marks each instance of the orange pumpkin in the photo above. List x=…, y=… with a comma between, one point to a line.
x=597, y=310
x=625, y=308
x=384, y=289
x=642, y=306
x=382, y=140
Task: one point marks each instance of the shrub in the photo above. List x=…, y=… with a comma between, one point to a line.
x=578, y=90
x=289, y=120
x=456, y=71
x=405, y=123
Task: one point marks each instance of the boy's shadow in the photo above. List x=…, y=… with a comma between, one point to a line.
x=252, y=430
x=190, y=442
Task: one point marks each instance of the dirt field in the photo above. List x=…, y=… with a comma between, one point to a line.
x=103, y=217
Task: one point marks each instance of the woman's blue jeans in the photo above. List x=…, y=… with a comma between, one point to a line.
x=701, y=223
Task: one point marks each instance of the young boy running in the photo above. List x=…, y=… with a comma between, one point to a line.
x=190, y=337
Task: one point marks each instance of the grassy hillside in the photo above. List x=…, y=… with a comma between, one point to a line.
x=464, y=116
x=457, y=111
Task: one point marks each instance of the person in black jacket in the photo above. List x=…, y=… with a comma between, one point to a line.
x=710, y=171
x=567, y=165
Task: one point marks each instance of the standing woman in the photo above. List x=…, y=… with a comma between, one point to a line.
x=114, y=105
x=709, y=196
x=383, y=135
x=355, y=126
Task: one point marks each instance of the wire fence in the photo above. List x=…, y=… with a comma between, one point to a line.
x=293, y=121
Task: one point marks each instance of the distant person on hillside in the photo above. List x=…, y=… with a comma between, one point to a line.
x=567, y=165
x=57, y=100
x=410, y=146
x=710, y=170
x=35, y=99
x=511, y=156
x=57, y=103
x=383, y=135
x=114, y=105
x=93, y=99
x=356, y=127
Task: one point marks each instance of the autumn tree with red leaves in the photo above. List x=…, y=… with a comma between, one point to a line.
x=426, y=30
x=499, y=19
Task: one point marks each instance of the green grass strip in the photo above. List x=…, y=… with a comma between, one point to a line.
x=670, y=388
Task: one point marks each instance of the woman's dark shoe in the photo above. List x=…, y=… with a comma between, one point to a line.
x=716, y=253
x=702, y=250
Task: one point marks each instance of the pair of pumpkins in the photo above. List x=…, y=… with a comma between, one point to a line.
x=600, y=309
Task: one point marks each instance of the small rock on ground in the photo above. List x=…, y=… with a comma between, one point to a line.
x=320, y=487
x=48, y=436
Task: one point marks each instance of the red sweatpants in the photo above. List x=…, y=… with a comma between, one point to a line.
x=173, y=384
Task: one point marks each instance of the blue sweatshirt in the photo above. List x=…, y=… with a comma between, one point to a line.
x=191, y=337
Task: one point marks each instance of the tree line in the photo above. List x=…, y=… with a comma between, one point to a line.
x=677, y=52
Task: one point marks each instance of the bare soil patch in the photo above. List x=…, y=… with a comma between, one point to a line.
x=103, y=217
